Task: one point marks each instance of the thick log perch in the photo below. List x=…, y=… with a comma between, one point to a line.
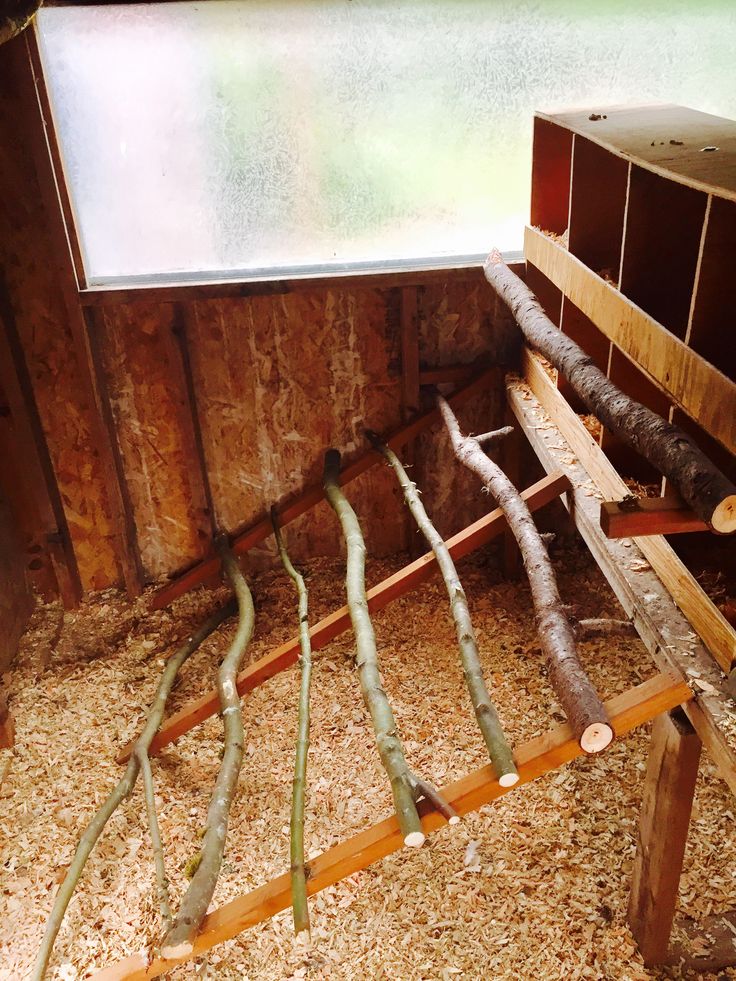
x=179, y=939
x=710, y=494
x=485, y=711
x=406, y=788
x=581, y=704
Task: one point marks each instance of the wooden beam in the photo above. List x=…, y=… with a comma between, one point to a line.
x=534, y=758
x=705, y=617
x=700, y=389
x=669, y=787
x=307, y=499
x=632, y=517
x=460, y=545
x=7, y=728
x=666, y=633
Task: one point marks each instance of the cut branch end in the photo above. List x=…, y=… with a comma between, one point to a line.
x=724, y=516
x=596, y=737
x=415, y=839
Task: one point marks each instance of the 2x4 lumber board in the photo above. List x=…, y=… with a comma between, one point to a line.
x=308, y=498
x=664, y=630
x=666, y=139
x=705, y=617
x=707, y=946
x=648, y=516
x=534, y=758
x=379, y=596
x=700, y=389
x=667, y=800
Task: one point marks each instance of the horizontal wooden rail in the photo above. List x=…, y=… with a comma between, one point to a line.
x=308, y=498
x=465, y=542
x=534, y=758
x=700, y=389
x=648, y=516
x=447, y=374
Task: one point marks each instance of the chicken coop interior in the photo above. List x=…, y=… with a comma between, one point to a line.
x=367, y=490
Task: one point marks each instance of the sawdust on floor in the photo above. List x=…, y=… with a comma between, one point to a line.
x=534, y=886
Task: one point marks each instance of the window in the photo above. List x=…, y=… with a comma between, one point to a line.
x=271, y=137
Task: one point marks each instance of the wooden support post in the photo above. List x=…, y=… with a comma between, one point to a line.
x=534, y=758
x=672, y=770
x=410, y=394
x=639, y=517
x=291, y=510
x=465, y=542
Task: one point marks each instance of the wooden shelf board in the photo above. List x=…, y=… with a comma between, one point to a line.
x=648, y=578
x=644, y=135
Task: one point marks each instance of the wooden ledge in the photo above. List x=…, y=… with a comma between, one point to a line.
x=640, y=516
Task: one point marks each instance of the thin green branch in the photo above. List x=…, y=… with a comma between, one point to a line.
x=299, y=904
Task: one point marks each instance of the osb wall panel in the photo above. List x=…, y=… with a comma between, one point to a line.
x=16, y=600
x=147, y=393
x=459, y=323
x=32, y=278
x=280, y=379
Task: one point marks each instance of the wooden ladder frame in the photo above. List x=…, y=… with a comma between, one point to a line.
x=653, y=699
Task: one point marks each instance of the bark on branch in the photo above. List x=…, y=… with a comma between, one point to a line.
x=405, y=787
x=584, y=710
x=125, y=786
x=485, y=711
x=299, y=905
x=178, y=940
x=709, y=493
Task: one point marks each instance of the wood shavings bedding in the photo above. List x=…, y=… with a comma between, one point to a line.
x=544, y=897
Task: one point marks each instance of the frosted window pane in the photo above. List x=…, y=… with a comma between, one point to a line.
x=220, y=139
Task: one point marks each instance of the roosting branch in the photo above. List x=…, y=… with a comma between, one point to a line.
x=125, y=787
x=178, y=940
x=584, y=710
x=403, y=785
x=485, y=711
x=300, y=907
x=710, y=494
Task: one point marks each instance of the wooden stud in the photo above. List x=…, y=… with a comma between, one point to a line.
x=289, y=511
x=648, y=516
x=400, y=583
x=409, y=336
x=129, y=553
x=702, y=391
x=534, y=758
x=7, y=729
x=669, y=787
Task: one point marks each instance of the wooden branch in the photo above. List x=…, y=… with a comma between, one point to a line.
x=708, y=492
x=534, y=758
x=485, y=711
x=299, y=904
x=179, y=938
x=577, y=696
x=400, y=583
x=307, y=499
x=162, y=881
x=634, y=517
x=389, y=744
x=672, y=771
x=123, y=788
